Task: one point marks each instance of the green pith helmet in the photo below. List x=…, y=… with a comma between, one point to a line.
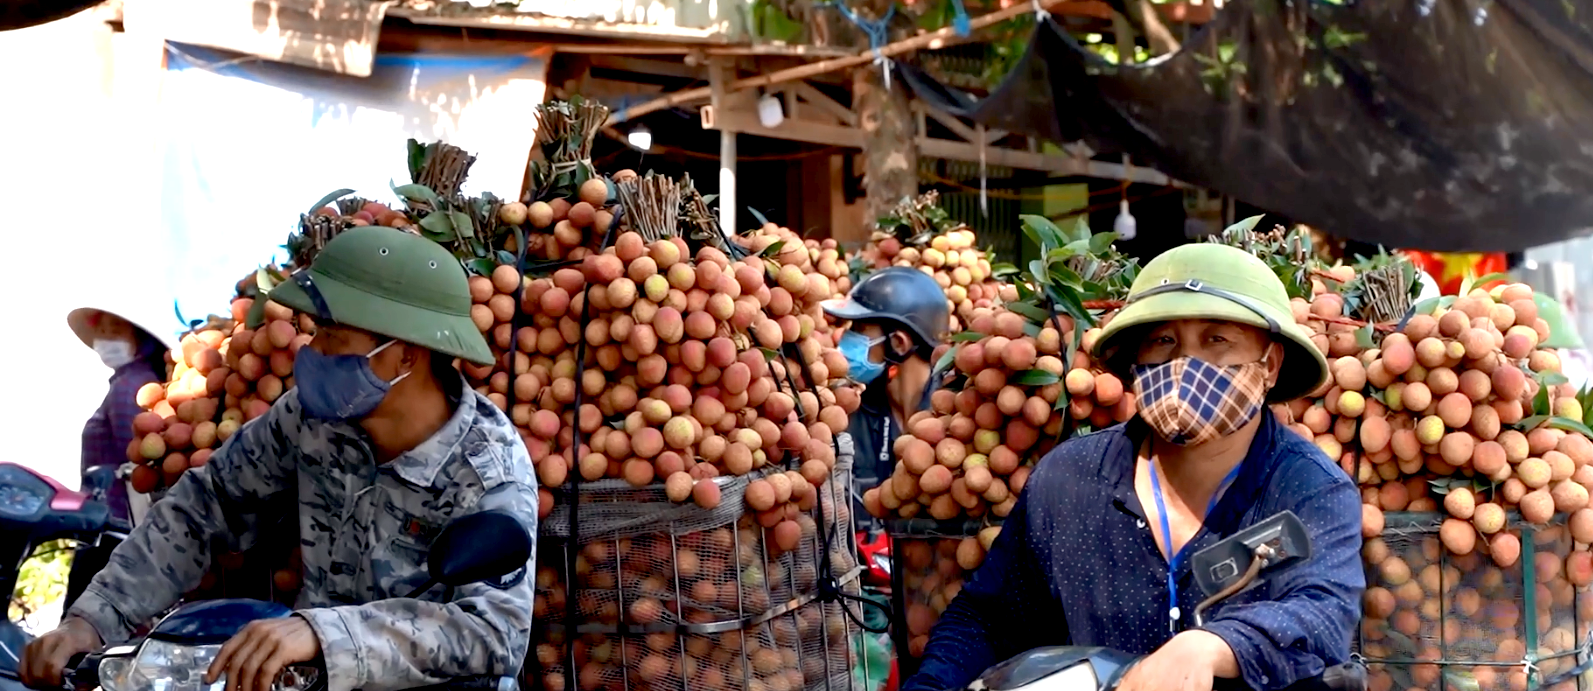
x=1562, y=331
x=1211, y=281
x=394, y=284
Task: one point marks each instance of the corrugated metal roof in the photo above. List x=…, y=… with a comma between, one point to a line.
x=697, y=21
x=334, y=35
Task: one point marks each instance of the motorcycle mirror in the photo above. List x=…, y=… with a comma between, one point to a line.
x=98, y=480
x=1278, y=541
x=478, y=547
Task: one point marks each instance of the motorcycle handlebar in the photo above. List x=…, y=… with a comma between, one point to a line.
x=1350, y=676
x=482, y=682
x=82, y=672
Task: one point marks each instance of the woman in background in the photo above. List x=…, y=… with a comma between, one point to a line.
x=136, y=356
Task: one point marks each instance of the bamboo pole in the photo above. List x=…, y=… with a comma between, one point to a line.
x=908, y=45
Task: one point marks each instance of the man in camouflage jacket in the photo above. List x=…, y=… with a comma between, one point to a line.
x=379, y=445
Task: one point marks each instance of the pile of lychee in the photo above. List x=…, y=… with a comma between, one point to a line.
x=961, y=268
x=809, y=257
x=564, y=228
x=1438, y=419
x=371, y=214
x=694, y=368
x=219, y=381
x=1444, y=398
x=222, y=377
x=1013, y=400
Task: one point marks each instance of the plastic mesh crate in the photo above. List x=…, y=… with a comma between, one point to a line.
x=927, y=573
x=1434, y=620
x=700, y=601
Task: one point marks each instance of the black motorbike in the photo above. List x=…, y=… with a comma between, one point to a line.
x=178, y=650
x=1221, y=571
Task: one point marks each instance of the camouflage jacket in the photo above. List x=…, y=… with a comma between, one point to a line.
x=364, y=531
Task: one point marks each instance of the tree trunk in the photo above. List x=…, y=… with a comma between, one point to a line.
x=890, y=149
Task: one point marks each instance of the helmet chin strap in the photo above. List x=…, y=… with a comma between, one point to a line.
x=893, y=358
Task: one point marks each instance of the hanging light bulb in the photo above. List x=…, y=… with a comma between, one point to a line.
x=770, y=112
x=640, y=138
x=1125, y=226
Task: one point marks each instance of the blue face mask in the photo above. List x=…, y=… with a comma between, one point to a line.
x=859, y=367
x=338, y=388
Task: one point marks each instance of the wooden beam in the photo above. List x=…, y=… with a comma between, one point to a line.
x=606, y=89
x=664, y=68
x=813, y=96
x=929, y=40
x=959, y=128
x=851, y=137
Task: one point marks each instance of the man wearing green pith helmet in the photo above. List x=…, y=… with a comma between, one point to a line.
x=1097, y=547
x=380, y=444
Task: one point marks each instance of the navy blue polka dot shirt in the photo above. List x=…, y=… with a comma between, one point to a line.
x=1077, y=564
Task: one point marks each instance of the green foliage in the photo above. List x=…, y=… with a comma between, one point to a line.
x=771, y=23
x=42, y=580
x=1075, y=265
x=916, y=220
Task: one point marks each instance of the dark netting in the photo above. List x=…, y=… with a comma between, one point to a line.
x=1453, y=125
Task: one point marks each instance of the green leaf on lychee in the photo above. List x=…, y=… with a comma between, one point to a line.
x=1532, y=423
x=438, y=226
x=1569, y=425
x=417, y=193
x=256, y=315
x=1034, y=377
x=462, y=224
x=1541, y=403
x=328, y=199
x=1364, y=338
x=1029, y=310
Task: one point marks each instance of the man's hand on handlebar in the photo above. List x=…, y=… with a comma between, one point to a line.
x=44, y=659
x=254, y=657
x=1191, y=661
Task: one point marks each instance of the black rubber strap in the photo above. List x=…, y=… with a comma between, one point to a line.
x=307, y=284
x=1196, y=286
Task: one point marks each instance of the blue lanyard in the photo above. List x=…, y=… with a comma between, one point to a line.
x=1173, y=613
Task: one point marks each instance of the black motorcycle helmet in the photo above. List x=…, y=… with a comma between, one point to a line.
x=901, y=295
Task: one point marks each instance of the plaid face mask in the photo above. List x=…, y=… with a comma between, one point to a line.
x=1188, y=401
